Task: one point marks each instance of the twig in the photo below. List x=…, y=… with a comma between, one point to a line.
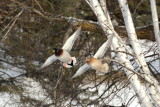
x=8, y=24
x=6, y=74
x=131, y=99
x=137, y=6
x=138, y=74
x=50, y=4
x=39, y=6
x=49, y=94
x=16, y=17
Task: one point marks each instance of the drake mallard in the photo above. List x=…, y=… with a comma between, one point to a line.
x=91, y=62
x=64, y=57
x=63, y=53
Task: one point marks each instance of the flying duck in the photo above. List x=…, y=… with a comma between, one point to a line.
x=97, y=65
x=94, y=63
x=64, y=57
x=63, y=53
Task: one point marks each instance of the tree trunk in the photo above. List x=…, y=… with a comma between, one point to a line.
x=135, y=82
x=155, y=23
x=153, y=89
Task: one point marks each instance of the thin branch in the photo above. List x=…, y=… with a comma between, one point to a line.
x=137, y=6
x=39, y=5
x=16, y=17
x=138, y=74
x=9, y=23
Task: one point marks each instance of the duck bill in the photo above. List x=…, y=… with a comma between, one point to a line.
x=53, y=51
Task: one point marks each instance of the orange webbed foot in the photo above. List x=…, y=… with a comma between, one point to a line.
x=66, y=65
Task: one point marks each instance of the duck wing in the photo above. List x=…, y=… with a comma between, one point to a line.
x=70, y=41
x=101, y=51
x=99, y=54
x=49, y=61
x=81, y=70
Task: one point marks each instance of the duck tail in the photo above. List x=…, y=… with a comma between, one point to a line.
x=74, y=60
x=71, y=63
x=67, y=65
x=105, y=68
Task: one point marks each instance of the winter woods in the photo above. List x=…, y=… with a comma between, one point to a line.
x=31, y=29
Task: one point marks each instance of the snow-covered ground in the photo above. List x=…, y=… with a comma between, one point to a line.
x=121, y=97
x=146, y=48
x=34, y=89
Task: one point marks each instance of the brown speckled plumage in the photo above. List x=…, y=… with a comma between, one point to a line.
x=97, y=64
x=93, y=60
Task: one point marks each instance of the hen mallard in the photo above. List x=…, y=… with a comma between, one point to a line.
x=99, y=54
x=97, y=65
x=63, y=54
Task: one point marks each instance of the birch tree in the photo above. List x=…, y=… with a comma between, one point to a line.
x=134, y=80
x=155, y=23
x=154, y=93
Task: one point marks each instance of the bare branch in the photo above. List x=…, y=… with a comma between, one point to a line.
x=16, y=17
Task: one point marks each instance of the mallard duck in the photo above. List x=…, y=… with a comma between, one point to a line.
x=64, y=57
x=97, y=65
x=99, y=54
x=63, y=53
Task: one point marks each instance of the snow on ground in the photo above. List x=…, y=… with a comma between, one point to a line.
x=146, y=48
x=10, y=71
x=9, y=100
x=121, y=97
x=34, y=90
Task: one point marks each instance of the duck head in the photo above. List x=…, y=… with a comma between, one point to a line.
x=88, y=60
x=91, y=60
x=55, y=50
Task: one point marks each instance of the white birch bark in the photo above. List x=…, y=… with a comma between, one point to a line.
x=135, y=82
x=155, y=23
x=104, y=6
x=153, y=89
x=132, y=34
x=106, y=13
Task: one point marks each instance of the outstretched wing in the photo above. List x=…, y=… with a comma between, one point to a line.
x=70, y=41
x=101, y=51
x=49, y=61
x=81, y=70
x=99, y=54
